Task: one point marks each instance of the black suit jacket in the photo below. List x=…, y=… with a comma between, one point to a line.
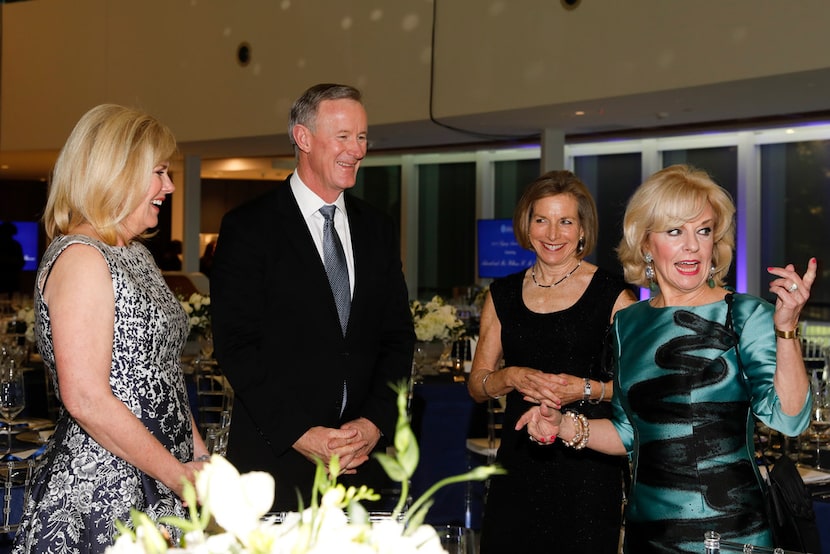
x=278, y=338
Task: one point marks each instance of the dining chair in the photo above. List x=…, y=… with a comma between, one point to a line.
x=216, y=434
x=486, y=448
x=214, y=404
x=15, y=483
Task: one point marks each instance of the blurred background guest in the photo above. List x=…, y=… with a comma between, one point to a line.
x=694, y=364
x=206, y=261
x=548, y=323
x=11, y=260
x=110, y=333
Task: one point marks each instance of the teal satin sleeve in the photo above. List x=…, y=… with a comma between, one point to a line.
x=757, y=346
x=619, y=418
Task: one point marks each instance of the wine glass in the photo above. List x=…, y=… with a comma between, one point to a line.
x=206, y=344
x=12, y=398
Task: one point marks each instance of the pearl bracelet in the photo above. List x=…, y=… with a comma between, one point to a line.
x=582, y=430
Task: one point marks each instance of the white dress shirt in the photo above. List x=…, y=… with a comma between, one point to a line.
x=310, y=205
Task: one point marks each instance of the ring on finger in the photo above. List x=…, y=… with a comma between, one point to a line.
x=793, y=287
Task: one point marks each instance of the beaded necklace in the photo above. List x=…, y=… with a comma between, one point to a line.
x=538, y=284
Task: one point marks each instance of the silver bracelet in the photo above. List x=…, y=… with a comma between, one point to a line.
x=484, y=386
x=601, y=394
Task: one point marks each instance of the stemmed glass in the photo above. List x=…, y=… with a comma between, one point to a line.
x=206, y=344
x=12, y=398
x=820, y=425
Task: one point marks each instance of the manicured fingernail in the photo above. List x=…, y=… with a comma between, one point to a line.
x=552, y=438
x=542, y=439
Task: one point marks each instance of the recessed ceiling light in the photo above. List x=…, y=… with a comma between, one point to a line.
x=579, y=112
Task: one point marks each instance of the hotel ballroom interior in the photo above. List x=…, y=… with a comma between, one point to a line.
x=468, y=101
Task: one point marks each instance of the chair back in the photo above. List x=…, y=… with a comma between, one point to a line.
x=216, y=434
x=15, y=486
x=214, y=400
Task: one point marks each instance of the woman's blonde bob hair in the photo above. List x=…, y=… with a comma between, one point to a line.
x=103, y=171
x=668, y=199
x=554, y=183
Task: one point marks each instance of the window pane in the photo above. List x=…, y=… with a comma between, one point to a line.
x=612, y=180
x=446, y=228
x=511, y=178
x=722, y=165
x=381, y=187
x=795, y=203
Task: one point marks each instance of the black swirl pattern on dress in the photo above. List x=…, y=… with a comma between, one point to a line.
x=717, y=430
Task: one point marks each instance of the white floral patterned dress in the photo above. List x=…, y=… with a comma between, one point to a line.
x=80, y=489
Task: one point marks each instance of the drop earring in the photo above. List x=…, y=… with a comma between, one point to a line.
x=652, y=284
x=580, y=246
x=711, y=280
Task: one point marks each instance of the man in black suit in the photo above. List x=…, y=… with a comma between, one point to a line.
x=308, y=386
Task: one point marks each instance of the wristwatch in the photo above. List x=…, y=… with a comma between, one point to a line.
x=586, y=392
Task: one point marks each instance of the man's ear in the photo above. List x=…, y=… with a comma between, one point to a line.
x=302, y=137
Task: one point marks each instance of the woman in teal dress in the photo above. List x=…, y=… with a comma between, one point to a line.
x=695, y=365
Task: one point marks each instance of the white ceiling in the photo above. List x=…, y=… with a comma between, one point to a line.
x=767, y=102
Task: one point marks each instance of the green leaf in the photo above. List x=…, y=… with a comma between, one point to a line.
x=392, y=467
x=408, y=456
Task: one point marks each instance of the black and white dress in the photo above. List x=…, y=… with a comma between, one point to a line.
x=80, y=488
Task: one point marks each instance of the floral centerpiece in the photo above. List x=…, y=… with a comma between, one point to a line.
x=197, y=308
x=23, y=324
x=234, y=506
x=436, y=320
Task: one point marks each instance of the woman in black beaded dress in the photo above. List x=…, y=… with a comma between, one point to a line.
x=548, y=323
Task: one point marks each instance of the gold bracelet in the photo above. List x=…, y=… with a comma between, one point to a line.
x=794, y=334
x=484, y=386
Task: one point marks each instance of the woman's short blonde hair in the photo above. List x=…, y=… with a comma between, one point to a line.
x=103, y=171
x=552, y=184
x=670, y=198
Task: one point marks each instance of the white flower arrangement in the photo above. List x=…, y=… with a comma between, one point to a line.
x=436, y=320
x=197, y=308
x=26, y=318
x=335, y=521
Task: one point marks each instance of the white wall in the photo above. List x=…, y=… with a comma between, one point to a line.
x=177, y=58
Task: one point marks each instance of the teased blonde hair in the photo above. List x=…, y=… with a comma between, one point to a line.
x=670, y=198
x=104, y=170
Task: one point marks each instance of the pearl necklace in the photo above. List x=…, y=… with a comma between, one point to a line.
x=538, y=284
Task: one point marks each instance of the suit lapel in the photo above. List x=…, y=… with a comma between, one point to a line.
x=292, y=229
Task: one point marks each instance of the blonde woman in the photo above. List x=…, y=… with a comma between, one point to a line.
x=110, y=332
x=694, y=364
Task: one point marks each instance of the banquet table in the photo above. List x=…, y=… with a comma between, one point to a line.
x=821, y=505
x=443, y=417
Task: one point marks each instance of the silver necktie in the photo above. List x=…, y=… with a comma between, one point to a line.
x=335, y=261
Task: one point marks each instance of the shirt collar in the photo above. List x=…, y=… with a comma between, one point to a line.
x=309, y=202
